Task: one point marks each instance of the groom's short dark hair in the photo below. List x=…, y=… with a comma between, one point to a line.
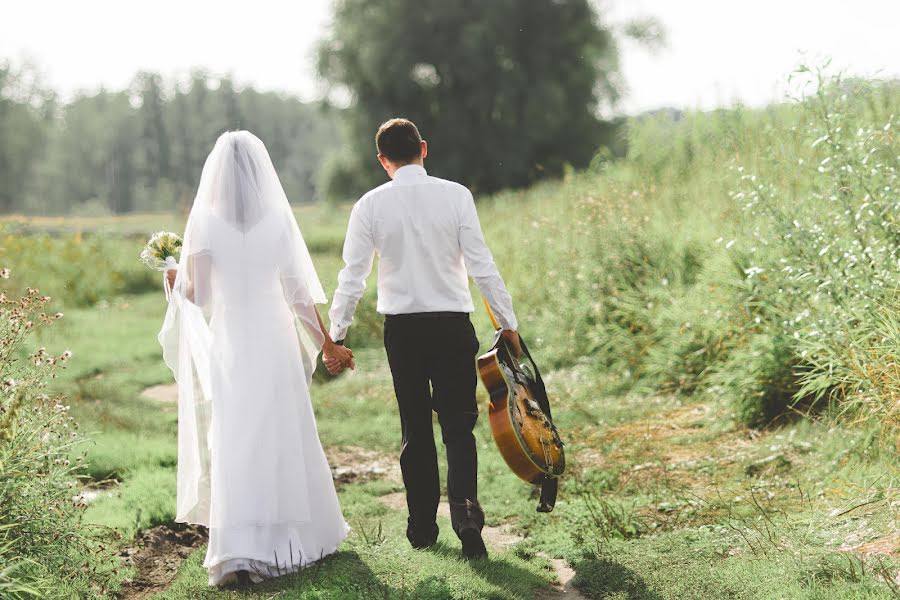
x=399, y=141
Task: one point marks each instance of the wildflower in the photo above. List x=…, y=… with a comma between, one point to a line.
x=58, y=315
x=753, y=271
x=4, y=273
x=65, y=355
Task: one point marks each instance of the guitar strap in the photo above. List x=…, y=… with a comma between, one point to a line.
x=550, y=485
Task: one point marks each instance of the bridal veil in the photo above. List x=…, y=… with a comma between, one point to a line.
x=240, y=207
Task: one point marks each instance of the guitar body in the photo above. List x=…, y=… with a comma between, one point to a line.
x=524, y=433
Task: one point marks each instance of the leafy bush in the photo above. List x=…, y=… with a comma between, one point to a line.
x=46, y=550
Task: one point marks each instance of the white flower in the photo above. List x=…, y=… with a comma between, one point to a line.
x=4, y=273
x=753, y=271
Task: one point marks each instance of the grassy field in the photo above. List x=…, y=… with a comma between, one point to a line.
x=666, y=498
x=720, y=357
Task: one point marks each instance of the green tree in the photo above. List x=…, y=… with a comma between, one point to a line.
x=506, y=91
x=93, y=157
x=155, y=142
x=25, y=118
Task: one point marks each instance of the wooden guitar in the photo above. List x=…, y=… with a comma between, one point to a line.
x=520, y=419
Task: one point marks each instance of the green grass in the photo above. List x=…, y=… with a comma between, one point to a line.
x=619, y=552
x=144, y=499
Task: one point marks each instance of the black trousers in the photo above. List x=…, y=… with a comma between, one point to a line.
x=432, y=360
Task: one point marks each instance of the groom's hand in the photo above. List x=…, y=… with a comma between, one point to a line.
x=333, y=365
x=337, y=358
x=511, y=337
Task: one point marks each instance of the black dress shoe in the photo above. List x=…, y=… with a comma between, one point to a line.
x=472, y=545
x=422, y=537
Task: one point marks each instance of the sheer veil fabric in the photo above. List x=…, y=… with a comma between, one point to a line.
x=241, y=337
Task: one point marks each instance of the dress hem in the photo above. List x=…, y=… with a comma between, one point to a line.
x=221, y=572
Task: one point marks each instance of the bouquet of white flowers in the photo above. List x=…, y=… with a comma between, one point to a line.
x=160, y=254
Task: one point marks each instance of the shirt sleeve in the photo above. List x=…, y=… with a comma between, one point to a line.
x=481, y=267
x=359, y=253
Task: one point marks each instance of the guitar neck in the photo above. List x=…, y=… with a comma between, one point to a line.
x=491, y=314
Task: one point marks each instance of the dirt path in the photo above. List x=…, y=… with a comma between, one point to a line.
x=563, y=589
x=164, y=394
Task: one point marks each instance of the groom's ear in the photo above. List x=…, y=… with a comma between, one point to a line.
x=384, y=162
x=424, y=149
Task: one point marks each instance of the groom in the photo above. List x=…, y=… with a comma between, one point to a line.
x=428, y=239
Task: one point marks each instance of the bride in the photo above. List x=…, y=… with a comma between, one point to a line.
x=241, y=335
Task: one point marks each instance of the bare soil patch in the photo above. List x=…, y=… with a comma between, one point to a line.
x=563, y=588
x=156, y=555
x=351, y=464
x=888, y=545
x=166, y=395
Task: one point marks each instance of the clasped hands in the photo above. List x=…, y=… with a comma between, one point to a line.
x=337, y=358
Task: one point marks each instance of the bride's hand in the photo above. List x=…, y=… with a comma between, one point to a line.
x=170, y=275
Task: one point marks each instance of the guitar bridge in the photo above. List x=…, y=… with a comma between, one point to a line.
x=548, y=458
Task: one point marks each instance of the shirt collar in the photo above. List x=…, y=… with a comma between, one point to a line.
x=409, y=171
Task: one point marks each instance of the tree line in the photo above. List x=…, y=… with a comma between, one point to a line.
x=506, y=92
x=143, y=148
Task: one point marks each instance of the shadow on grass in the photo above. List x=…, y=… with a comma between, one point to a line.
x=346, y=575
x=600, y=577
x=386, y=570
x=495, y=571
x=341, y=575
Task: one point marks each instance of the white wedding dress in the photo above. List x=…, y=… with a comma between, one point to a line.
x=241, y=336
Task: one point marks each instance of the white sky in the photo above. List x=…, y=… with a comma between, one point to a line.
x=719, y=51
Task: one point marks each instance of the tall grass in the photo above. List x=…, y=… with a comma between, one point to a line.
x=748, y=254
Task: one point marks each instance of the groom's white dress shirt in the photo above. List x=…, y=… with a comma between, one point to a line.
x=428, y=239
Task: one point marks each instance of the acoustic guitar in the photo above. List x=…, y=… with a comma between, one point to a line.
x=519, y=414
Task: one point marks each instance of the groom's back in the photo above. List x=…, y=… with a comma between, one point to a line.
x=415, y=222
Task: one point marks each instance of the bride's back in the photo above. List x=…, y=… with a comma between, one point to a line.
x=246, y=266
